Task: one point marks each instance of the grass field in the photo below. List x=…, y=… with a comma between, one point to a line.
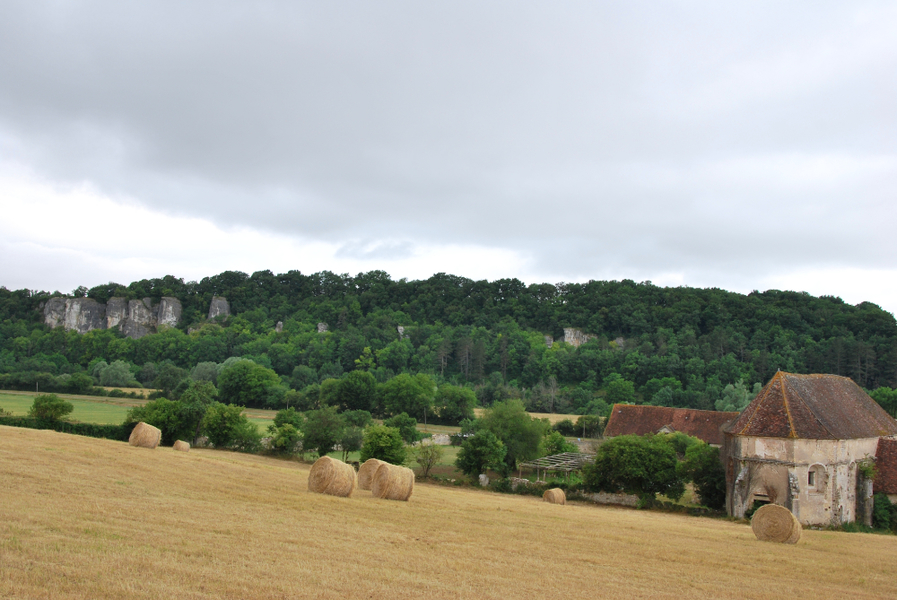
x=110, y=411
x=87, y=518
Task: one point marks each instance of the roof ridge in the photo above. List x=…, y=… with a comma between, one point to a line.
x=793, y=433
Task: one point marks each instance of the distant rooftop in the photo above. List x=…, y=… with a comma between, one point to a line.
x=631, y=419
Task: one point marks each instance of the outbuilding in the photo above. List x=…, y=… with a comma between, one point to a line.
x=803, y=443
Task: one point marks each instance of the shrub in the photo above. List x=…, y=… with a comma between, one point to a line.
x=428, y=456
x=406, y=425
x=632, y=464
x=702, y=467
x=384, y=443
x=480, y=451
x=358, y=418
x=322, y=430
x=167, y=415
x=50, y=407
x=285, y=439
x=565, y=428
x=884, y=513
x=554, y=443
x=227, y=427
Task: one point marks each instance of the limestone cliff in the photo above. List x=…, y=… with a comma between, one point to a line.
x=219, y=307
x=135, y=318
x=575, y=337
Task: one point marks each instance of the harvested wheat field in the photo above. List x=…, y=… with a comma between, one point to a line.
x=87, y=518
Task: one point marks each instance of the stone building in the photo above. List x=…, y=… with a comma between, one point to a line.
x=800, y=444
x=631, y=419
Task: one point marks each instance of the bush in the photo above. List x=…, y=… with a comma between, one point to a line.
x=884, y=513
x=406, y=425
x=565, y=428
x=480, y=451
x=702, y=467
x=285, y=439
x=384, y=443
x=428, y=456
x=632, y=464
x=322, y=430
x=50, y=407
x=227, y=427
x=288, y=416
x=169, y=416
x=554, y=443
x=358, y=418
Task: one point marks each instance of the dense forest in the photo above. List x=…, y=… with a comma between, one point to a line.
x=700, y=348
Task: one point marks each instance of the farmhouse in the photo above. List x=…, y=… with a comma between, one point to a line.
x=801, y=444
x=630, y=419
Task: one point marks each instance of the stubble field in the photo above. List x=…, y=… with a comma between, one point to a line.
x=83, y=518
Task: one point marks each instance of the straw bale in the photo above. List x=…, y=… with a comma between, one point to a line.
x=145, y=436
x=331, y=476
x=392, y=482
x=366, y=472
x=774, y=523
x=181, y=446
x=555, y=496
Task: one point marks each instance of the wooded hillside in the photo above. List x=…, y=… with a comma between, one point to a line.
x=671, y=346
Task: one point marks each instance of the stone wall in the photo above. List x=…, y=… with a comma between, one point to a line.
x=779, y=470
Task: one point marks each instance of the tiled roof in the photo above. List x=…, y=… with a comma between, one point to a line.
x=886, y=465
x=816, y=407
x=626, y=419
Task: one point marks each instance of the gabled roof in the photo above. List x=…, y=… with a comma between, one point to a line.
x=630, y=419
x=816, y=407
x=886, y=465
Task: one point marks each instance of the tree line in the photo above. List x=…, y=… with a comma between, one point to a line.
x=687, y=347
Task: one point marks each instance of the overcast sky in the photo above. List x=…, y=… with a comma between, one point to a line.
x=749, y=146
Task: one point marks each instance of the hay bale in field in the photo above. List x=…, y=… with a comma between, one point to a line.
x=181, y=446
x=366, y=472
x=555, y=496
x=331, y=476
x=145, y=436
x=392, y=482
x=774, y=523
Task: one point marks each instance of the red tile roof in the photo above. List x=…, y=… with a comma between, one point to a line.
x=816, y=407
x=886, y=465
x=626, y=419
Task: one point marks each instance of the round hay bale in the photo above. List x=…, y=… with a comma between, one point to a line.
x=181, y=446
x=555, y=496
x=392, y=482
x=366, y=472
x=145, y=436
x=331, y=476
x=774, y=523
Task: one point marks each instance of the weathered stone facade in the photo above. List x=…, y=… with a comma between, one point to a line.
x=779, y=471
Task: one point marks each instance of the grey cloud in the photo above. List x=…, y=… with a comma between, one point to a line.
x=637, y=138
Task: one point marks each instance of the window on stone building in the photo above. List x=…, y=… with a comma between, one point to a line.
x=816, y=479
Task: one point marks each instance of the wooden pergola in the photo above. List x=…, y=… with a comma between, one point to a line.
x=565, y=462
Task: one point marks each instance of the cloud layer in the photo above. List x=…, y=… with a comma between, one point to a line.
x=698, y=143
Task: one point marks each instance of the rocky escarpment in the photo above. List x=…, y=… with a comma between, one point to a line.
x=134, y=318
x=219, y=308
x=575, y=337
